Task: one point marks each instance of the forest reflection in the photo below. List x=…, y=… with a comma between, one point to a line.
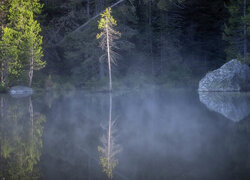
x=21, y=130
x=109, y=147
x=84, y=133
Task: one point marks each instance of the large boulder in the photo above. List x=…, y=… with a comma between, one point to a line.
x=232, y=76
x=20, y=91
x=233, y=105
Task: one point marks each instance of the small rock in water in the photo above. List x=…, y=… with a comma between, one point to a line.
x=232, y=76
x=21, y=91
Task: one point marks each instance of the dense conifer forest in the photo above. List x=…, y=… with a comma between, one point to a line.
x=162, y=42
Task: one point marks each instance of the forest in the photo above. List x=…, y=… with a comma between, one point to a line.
x=53, y=44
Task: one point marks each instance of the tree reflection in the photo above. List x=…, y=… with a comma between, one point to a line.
x=109, y=148
x=20, y=139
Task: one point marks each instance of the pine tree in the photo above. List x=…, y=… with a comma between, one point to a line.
x=235, y=32
x=8, y=55
x=108, y=36
x=29, y=41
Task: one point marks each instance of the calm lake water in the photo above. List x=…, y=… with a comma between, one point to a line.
x=150, y=135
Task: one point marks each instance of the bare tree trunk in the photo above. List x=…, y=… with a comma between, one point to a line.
x=96, y=7
x=109, y=58
x=150, y=34
x=99, y=6
x=162, y=51
x=2, y=73
x=102, y=4
x=2, y=64
x=88, y=12
x=5, y=74
x=245, y=32
x=31, y=67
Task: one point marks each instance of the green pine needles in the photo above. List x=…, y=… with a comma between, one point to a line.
x=21, y=43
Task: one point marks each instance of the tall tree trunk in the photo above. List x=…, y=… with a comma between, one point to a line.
x=162, y=52
x=31, y=67
x=102, y=4
x=5, y=74
x=97, y=8
x=2, y=64
x=150, y=34
x=163, y=44
x=109, y=57
x=245, y=31
x=2, y=73
x=88, y=11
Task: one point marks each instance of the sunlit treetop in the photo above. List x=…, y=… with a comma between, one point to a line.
x=106, y=20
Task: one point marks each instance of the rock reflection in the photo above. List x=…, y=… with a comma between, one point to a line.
x=232, y=105
x=21, y=130
x=109, y=147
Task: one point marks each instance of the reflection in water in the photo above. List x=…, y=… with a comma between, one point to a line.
x=20, y=139
x=163, y=135
x=232, y=105
x=109, y=148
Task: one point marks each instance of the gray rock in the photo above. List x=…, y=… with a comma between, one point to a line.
x=233, y=105
x=232, y=76
x=20, y=91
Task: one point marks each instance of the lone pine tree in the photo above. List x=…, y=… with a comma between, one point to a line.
x=108, y=36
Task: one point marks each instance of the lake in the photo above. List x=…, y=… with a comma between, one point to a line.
x=145, y=135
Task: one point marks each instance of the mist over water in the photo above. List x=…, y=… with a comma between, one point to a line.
x=160, y=134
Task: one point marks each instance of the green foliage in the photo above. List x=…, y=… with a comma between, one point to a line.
x=33, y=41
x=20, y=139
x=234, y=28
x=108, y=163
x=3, y=13
x=106, y=20
x=9, y=51
x=9, y=61
x=2, y=88
x=21, y=40
x=163, y=32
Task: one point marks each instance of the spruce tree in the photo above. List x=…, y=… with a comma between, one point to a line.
x=235, y=32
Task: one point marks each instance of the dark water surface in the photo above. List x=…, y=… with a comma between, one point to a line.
x=151, y=135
